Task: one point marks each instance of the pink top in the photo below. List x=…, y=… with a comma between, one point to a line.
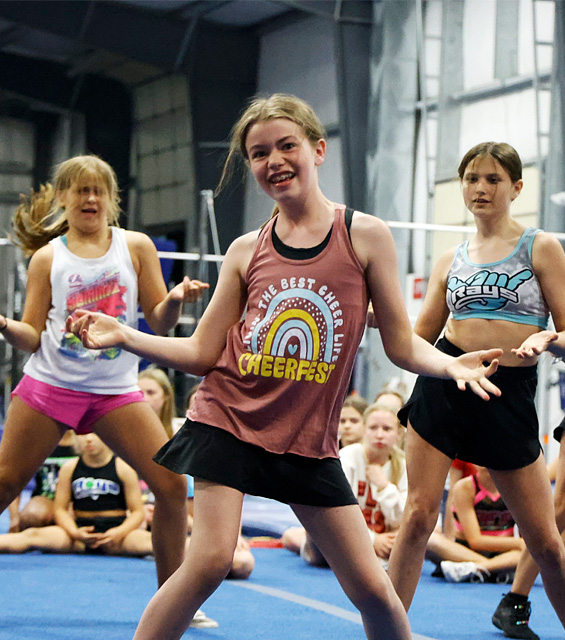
x=285, y=369
x=493, y=515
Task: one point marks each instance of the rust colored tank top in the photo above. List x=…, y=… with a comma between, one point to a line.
x=286, y=367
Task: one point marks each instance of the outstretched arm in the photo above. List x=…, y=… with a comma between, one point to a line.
x=196, y=354
x=375, y=249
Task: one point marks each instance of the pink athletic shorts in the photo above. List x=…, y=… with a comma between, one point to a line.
x=79, y=410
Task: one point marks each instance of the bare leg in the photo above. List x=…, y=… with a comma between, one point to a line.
x=527, y=493
x=38, y=512
x=427, y=470
x=243, y=561
x=293, y=538
x=135, y=434
x=136, y=543
x=217, y=518
x=341, y=535
x=28, y=438
x=527, y=570
x=53, y=539
x=440, y=547
x=449, y=519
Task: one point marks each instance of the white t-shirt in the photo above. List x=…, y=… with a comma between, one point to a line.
x=382, y=509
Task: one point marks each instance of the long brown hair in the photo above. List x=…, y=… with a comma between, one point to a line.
x=502, y=152
x=39, y=218
x=277, y=105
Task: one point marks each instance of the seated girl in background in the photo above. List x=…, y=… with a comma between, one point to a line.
x=485, y=546
x=376, y=471
x=105, y=497
x=350, y=428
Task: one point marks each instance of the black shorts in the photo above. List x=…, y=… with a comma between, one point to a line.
x=501, y=433
x=101, y=524
x=213, y=454
x=558, y=431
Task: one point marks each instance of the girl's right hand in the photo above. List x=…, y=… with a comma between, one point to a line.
x=469, y=370
x=96, y=330
x=87, y=536
x=383, y=543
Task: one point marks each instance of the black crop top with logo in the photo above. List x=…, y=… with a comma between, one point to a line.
x=97, y=488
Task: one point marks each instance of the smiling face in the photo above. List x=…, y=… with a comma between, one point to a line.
x=487, y=187
x=282, y=159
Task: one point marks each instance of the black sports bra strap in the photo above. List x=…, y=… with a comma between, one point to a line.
x=348, y=219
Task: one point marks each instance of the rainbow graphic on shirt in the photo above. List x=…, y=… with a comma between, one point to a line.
x=298, y=337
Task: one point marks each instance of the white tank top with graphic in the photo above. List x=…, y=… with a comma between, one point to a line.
x=107, y=284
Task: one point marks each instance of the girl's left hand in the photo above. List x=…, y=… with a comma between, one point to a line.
x=535, y=344
x=188, y=290
x=110, y=541
x=469, y=369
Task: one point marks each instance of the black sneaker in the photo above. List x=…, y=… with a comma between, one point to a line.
x=513, y=619
x=437, y=572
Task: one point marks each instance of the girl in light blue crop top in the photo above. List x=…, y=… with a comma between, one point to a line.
x=495, y=290
x=507, y=289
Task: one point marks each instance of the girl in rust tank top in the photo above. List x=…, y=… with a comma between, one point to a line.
x=266, y=415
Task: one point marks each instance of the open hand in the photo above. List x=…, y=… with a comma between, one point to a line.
x=188, y=290
x=469, y=370
x=383, y=543
x=96, y=330
x=535, y=344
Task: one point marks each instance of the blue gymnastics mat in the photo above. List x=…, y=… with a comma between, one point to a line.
x=48, y=597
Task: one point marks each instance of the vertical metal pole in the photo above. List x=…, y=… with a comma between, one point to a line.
x=209, y=195
x=202, y=267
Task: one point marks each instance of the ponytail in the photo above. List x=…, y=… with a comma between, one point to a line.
x=37, y=220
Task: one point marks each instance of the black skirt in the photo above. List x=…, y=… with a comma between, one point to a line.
x=501, y=433
x=558, y=431
x=210, y=453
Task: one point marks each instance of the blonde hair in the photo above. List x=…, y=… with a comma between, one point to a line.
x=397, y=455
x=39, y=218
x=167, y=412
x=277, y=105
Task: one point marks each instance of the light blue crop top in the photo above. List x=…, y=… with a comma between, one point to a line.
x=503, y=290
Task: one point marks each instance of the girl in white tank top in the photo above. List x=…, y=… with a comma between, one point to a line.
x=81, y=260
